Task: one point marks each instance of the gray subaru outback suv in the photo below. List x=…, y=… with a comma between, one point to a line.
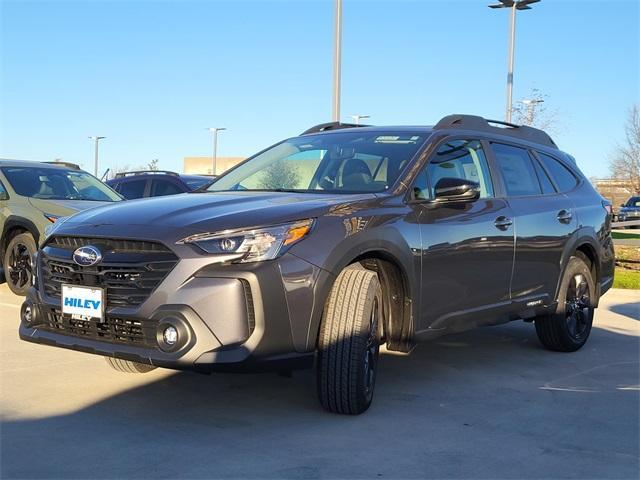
x=327, y=245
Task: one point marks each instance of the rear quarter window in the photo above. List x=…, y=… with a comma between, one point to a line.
x=561, y=175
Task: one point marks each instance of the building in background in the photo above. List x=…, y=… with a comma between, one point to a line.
x=617, y=191
x=204, y=165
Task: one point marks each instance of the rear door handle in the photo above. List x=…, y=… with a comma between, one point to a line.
x=503, y=222
x=564, y=216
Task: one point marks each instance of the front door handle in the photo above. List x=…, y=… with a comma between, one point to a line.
x=502, y=222
x=564, y=216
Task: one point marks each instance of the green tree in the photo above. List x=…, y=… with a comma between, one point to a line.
x=279, y=175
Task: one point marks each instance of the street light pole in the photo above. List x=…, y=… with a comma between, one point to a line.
x=96, y=139
x=512, y=48
x=337, y=60
x=357, y=118
x=214, y=131
x=513, y=5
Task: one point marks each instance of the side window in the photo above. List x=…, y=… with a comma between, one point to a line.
x=517, y=170
x=545, y=182
x=3, y=192
x=164, y=187
x=132, y=189
x=565, y=180
x=455, y=159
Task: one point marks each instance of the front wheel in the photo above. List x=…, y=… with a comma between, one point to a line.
x=127, y=366
x=567, y=330
x=18, y=263
x=349, y=342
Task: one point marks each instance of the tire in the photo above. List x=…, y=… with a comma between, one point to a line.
x=18, y=263
x=127, y=366
x=568, y=329
x=349, y=342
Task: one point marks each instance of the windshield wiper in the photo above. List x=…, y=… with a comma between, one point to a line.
x=279, y=190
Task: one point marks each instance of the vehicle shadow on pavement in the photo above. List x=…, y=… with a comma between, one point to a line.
x=630, y=310
x=445, y=411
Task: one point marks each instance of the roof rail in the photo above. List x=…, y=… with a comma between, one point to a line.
x=323, y=127
x=140, y=172
x=474, y=122
x=65, y=164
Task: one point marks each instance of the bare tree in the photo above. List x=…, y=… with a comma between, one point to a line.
x=625, y=161
x=535, y=112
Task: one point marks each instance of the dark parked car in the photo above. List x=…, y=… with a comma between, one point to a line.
x=630, y=210
x=156, y=183
x=327, y=245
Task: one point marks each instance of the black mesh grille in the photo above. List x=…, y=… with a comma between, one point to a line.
x=115, y=245
x=141, y=333
x=129, y=272
x=248, y=298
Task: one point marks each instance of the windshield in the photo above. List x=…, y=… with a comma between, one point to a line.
x=338, y=162
x=633, y=202
x=58, y=184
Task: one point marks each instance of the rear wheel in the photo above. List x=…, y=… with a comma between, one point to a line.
x=349, y=342
x=18, y=263
x=567, y=330
x=128, y=366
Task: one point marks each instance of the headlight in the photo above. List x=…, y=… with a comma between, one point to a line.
x=51, y=217
x=252, y=245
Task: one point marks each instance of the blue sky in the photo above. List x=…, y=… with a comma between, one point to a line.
x=152, y=75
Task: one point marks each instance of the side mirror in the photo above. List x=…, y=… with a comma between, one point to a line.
x=456, y=190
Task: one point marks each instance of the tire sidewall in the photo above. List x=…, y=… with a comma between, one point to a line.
x=343, y=342
x=364, y=398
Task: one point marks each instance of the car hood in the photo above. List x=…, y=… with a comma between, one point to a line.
x=211, y=212
x=64, y=208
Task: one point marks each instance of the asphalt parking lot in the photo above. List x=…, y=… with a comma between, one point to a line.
x=485, y=404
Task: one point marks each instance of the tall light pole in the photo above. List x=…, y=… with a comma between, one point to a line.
x=337, y=60
x=214, y=131
x=96, y=139
x=513, y=5
x=531, y=105
x=357, y=118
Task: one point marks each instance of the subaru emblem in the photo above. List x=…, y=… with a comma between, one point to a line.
x=87, y=256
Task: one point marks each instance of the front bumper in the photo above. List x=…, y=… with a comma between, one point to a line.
x=246, y=317
x=628, y=216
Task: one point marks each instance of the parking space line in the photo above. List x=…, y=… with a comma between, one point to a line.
x=12, y=305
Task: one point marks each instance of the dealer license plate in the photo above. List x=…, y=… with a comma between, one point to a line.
x=83, y=303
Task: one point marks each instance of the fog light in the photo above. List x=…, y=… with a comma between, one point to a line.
x=170, y=335
x=28, y=313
